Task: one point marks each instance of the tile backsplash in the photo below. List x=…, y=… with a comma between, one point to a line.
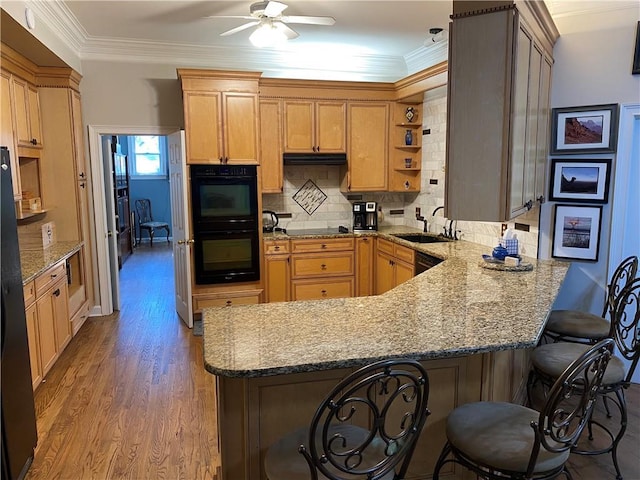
x=336, y=209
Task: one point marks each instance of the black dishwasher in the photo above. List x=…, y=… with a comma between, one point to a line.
x=424, y=262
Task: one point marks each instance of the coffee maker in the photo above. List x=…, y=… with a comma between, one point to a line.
x=365, y=216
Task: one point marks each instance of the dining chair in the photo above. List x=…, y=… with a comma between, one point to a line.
x=146, y=222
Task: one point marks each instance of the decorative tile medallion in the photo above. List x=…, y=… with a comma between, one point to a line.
x=309, y=197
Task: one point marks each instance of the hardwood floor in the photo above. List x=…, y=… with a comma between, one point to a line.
x=129, y=397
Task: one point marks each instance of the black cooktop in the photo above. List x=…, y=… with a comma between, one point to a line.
x=318, y=231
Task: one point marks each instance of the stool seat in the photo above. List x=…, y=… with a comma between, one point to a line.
x=573, y=323
x=500, y=434
x=283, y=461
x=553, y=358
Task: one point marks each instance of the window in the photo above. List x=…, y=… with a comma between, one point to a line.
x=147, y=157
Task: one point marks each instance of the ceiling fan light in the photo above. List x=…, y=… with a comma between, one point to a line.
x=267, y=35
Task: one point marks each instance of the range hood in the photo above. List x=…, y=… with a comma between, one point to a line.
x=314, y=158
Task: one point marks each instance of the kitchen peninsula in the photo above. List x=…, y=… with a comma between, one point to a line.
x=472, y=327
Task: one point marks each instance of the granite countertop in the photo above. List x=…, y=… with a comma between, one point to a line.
x=456, y=308
x=36, y=261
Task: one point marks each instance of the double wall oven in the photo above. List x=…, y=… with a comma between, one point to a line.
x=224, y=205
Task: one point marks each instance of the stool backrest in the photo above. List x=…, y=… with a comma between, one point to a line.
x=369, y=424
x=571, y=400
x=624, y=274
x=626, y=324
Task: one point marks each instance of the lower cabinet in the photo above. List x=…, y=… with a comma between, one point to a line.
x=277, y=264
x=226, y=299
x=48, y=324
x=365, y=249
x=394, y=265
x=319, y=289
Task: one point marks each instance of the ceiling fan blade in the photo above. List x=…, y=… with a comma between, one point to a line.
x=309, y=20
x=242, y=17
x=273, y=9
x=240, y=28
x=288, y=31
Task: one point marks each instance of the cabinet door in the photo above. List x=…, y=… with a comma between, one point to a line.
x=202, y=114
x=46, y=332
x=6, y=131
x=339, y=287
x=80, y=166
x=384, y=273
x=34, y=345
x=298, y=126
x=330, y=128
x=278, y=278
x=368, y=146
x=364, y=266
x=21, y=111
x=403, y=272
x=60, y=300
x=35, y=122
x=271, y=146
x=240, y=123
x=543, y=128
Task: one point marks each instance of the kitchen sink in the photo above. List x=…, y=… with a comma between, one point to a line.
x=422, y=238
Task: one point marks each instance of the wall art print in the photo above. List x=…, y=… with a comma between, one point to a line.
x=577, y=232
x=591, y=129
x=580, y=180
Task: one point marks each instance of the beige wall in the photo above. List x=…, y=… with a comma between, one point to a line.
x=131, y=94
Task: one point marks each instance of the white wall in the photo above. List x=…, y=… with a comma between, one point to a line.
x=593, y=59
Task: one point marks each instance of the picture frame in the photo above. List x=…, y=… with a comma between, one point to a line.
x=635, y=70
x=588, y=129
x=580, y=180
x=576, y=234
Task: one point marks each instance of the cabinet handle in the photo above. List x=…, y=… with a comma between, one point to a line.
x=82, y=185
x=323, y=246
x=221, y=160
x=81, y=175
x=323, y=267
x=324, y=293
x=34, y=141
x=228, y=303
x=57, y=292
x=54, y=275
x=277, y=247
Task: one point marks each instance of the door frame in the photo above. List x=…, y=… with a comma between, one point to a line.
x=102, y=275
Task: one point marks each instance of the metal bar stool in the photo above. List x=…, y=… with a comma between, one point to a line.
x=366, y=427
x=549, y=361
x=498, y=440
x=583, y=327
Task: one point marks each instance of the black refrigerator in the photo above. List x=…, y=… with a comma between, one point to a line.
x=19, y=435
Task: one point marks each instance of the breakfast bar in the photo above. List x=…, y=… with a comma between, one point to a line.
x=470, y=326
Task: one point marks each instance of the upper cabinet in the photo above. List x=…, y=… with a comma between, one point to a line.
x=7, y=137
x=271, y=145
x=368, y=127
x=314, y=126
x=221, y=116
x=27, y=114
x=498, y=111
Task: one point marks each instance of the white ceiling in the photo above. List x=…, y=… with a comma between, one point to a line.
x=372, y=40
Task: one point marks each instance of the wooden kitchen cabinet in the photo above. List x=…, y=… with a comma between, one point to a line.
x=220, y=116
x=7, y=137
x=271, y=167
x=365, y=249
x=394, y=265
x=406, y=158
x=27, y=114
x=277, y=263
x=368, y=147
x=498, y=112
x=314, y=126
x=226, y=299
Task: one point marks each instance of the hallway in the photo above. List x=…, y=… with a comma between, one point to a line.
x=129, y=397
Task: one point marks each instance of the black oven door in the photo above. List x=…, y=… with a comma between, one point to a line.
x=224, y=257
x=224, y=197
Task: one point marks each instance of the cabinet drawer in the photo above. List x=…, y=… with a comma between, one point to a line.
x=404, y=253
x=321, y=245
x=317, y=290
x=29, y=293
x=49, y=277
x=322, y=265
x=276, y=246
x=385, y=246
x=226, y=299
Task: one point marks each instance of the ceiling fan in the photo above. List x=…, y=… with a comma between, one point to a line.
x=271, y=24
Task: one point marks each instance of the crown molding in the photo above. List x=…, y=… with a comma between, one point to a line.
x=61, y=22
x=425, y=57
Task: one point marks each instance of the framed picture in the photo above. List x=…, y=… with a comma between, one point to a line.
x=580, y=180
x=636, y=53
x=576, y=232
x=584, y=129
